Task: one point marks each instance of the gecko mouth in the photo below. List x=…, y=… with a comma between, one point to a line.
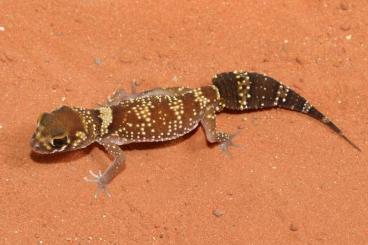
x=36, y=146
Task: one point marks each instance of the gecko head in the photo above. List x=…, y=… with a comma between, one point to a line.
x=58, y=131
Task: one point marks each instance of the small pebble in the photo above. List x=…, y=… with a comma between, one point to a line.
x=348, y=37
x=344, y=6
x=218, y=212
x=299, y=61
x=345, y=27
x=175, y=78
x=293, y=227
x=98, y=61
x=2, y=28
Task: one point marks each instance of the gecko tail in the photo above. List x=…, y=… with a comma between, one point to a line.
x=253, y=91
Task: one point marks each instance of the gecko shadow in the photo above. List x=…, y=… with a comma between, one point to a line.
x=157, y=144
x=59, y=157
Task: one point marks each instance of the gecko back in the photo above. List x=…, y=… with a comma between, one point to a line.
x=252, y=91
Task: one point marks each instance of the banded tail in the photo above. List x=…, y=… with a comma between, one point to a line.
x=251, y=91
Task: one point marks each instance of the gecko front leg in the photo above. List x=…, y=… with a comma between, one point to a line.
x=208, y=122
x=103, y=179
x=120, y=95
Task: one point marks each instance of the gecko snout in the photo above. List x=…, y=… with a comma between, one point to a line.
x=36, y=145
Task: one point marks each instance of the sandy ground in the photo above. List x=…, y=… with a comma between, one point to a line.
x=291, y=181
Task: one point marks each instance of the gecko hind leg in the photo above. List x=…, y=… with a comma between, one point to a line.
x=225, y=140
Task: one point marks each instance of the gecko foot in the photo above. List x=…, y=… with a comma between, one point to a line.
x=224, y=146
x=97, y=178
x=120, y=95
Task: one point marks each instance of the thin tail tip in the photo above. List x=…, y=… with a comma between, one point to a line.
x=350, y=142
x=357, y=147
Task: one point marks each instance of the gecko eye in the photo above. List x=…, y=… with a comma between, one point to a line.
x=59, y=142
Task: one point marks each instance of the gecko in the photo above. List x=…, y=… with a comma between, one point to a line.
x=164, y=114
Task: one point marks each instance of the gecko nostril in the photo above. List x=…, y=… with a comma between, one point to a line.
x=34, y=143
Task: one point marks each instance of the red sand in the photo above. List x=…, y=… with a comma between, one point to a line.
x=291, y=181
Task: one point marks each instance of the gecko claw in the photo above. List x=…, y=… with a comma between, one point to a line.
x=97, y=178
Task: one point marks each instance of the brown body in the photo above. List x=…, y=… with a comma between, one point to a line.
x=161, y=117
x=163, y=114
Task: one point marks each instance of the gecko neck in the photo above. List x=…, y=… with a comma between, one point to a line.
x=91, y=122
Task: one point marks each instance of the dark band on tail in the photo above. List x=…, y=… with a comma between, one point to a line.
x=252, y=91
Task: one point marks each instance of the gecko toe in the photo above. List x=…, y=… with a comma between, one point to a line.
x=101, y=186
x=224, y=146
